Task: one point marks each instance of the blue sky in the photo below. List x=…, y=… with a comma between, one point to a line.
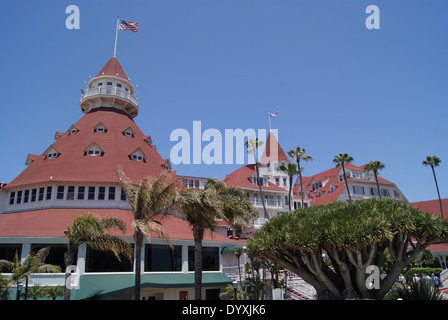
x=338, y=87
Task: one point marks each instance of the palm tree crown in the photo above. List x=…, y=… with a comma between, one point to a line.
x=341, y=160
x=434, y=161
x=375, y=166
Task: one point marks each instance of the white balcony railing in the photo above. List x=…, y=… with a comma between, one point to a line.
x=109, y=91
x=268, y=203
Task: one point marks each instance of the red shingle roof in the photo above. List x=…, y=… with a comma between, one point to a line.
x=273, y=151
x=73, y=166
x=53, y=223
x=432, y=206
x=333, y=179
x=113, y=68
x=241, y=178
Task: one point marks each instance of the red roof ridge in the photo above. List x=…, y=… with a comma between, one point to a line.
x=267, y=157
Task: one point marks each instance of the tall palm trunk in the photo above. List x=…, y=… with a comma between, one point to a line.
x=138, y=264
x=377, y=184
x=198, y=236
x=438, y=193
x=346, y=183
x=261, y=191
x=69, y=259
x=290, y=191
x=301, y=183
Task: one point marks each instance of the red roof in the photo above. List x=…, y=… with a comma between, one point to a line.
x=53, y=223
x=241, y=178
x=333, y=179
x=432, y=206
x=73, y=166
x=273, y=151
x=113, y=68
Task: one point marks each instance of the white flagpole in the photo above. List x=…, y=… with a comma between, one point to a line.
x=116, y=37
x=269, y=115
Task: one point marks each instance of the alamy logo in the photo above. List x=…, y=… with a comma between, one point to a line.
x=227, y=148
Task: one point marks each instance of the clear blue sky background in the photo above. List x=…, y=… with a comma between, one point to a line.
x=338, y=87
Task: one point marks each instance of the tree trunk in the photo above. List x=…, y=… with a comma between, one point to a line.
x=438, y=193
x=290, y=191
x=69, y=258
x=198, y=236
x=138, y=264
x=377, y=184
x=261, y=191
x=346, y=183
x=301, y=183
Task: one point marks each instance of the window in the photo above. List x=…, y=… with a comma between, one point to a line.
x=163, y=258
x=396, y=194
x=109, y=83
x=122, y=195
x=196, y=184
x=284, y=182
x=190, y=183
x=91, y=195
x=259, y=182
x=111, y=193
x=93, y=150
x=49, y=191
x=118, y=85
x=60, y=193
x=12, y=197
x=373, y=191
x=358, y=190
x=101, y=193
x=19, y=197
x=71, y=193
x=41, y=194
x=277, y=181
x=81, y=192
x=129, y=132
x=26, y=196
x=100, y=128
x=385, y=192
x=136, y=157
x=98, y=261
x=210, y=259
x=33, y=195
x=100, y=84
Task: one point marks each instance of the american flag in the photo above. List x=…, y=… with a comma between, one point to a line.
x=128, y=25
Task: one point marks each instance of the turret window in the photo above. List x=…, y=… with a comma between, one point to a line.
x=100, y=128
x=129, y=132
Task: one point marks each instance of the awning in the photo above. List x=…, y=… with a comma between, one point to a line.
x=227, y=250
x=105, y=285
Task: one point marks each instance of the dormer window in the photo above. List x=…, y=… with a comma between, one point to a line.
x=148, y=141
x=51, y=152
x=100, y=128
x=72, y=130
x=138, y=155
x=129, y=132
x=166, y=165
x=93, y=150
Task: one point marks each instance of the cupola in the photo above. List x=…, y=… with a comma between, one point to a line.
x=110, y=88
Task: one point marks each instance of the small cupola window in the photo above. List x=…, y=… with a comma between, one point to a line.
x=129, y=132
x=100, y=128
x=51, y=152
x=93, y=150
x=138, y=155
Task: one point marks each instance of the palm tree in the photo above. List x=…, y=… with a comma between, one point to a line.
x=92, y=231
x=341, y=160
x=375, y=166
x=252, y=146
x=299, y=155
x=434, y=161
x=201, y=208
x=291, y=170
x=33, y=262
x=149, y=202
x=238, y=251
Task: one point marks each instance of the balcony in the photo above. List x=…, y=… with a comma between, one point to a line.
x=267, y=202
x=112, y=92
